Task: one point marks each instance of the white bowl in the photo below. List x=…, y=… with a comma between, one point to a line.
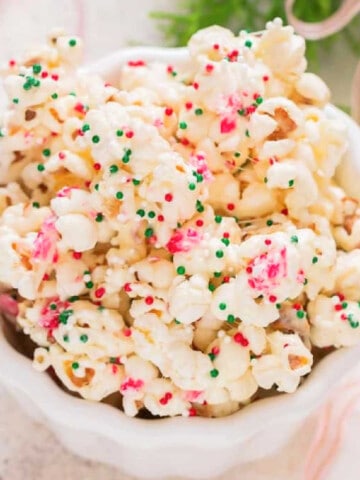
x=187, y=447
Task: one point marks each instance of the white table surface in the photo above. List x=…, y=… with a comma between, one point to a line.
x=29, y=451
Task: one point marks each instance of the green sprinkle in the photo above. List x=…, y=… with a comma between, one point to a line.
x=151, y=214
x=180, y=270
x=54, y=96
x=294, y=239
x=259, y=100
x=84, y=338
x=306, y=281
x=74, y=298
x=222, y=306
x=214, y=373
x=230, y=318
x=41, y=167
x=75, y=365
x=46, y=152
x=36, y=204
x=265, y=180
x=119, y=133
x=218, y=218
x=89, y=284
x=113, y=360
x=300, y=314
x=344, y=305
x=136, y=182
x=64, y=316
x=99, y=217
x=119, y=195
x=96, y=187
x=177, y=321
x=36, y=83
x=212, y=356
x=248, y=43
x=140, y=212
x=315, y=260
x=269, y=222
x=149, y=232
x=199, y=111
x=36, y=68
x=95, y=139
x=85, y=127
x=72, y=42
x=225, y=241
x=199, y=177
x=183, y=125
x=278, y=306
x=113, y=168
x=126, y=156
x=219, y=253
x=199, y=206
x=247, y=133
x=291, y=183
x=66, y=338
x=241, y=112
x=217, y=274
x=237, y=154
x=101, y=308
x=53, y=306
x=192, y=186
x=27, y=85
x=15, y=100
x=211, y=287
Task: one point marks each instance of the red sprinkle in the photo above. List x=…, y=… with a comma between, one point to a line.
x=285, y=211
x=77, y=255
x=266, y=78
x=188, y=105
x=199, y=223
x=149, y=300
x=46, y=277
x=239, y=338
x=62, y=155
x=215, y=350
x=168, y=197
x=341, y=297
x=338, y=307
x=97, y=166
x=127, y=332
x=129, y=134
x=79, y=107
x=230, y=206
x=297, y=306
x=343, y=316
x=100, y=292
x=160, y=218
x=169, y=111
x=216, y=46
x=272, y=298
x=169, y=69
x=249, y=269
x=12, y=63
x=136, y=63
x=227, y=125
x=127, y=287
x=55, y=77
x=209, y=68
x=196, y=85
x=267, y=241
x=192, y=412
x=226, y=235
x=226, y=279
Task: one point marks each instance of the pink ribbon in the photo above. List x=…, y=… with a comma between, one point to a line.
x=317, y=30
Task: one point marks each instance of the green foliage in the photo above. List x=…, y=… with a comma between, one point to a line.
x=250, y=14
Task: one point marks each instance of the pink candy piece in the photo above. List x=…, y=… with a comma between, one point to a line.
x=198, y=161
x=45, y=242
x=266, y=270
x=183, y=241
x=8, y=305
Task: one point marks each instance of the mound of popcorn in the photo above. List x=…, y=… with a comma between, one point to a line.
x=177, y=239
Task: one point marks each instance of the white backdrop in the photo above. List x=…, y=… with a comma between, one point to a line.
x=29, y=451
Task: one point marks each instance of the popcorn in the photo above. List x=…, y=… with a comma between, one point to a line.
x=177, y=240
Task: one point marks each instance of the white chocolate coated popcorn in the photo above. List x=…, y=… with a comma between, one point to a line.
x=175, y=242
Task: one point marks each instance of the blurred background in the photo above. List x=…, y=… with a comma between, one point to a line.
x=110, y=24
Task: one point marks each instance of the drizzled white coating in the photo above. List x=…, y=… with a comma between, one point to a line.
x=177, y=241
